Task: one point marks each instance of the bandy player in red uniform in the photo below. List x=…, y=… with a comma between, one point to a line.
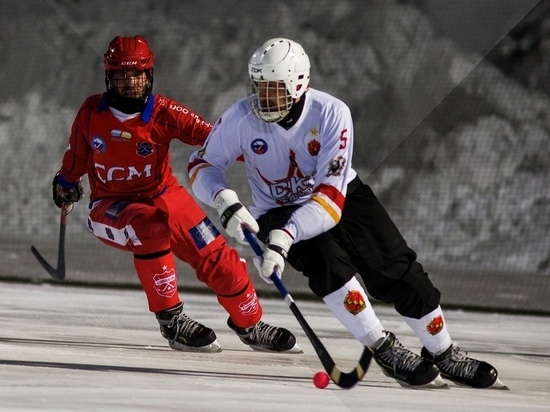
x=121, y=140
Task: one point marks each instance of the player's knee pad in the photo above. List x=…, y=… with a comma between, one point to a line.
x=159, y=227
x=153, y=232
x=324, y=262
x=416, y=300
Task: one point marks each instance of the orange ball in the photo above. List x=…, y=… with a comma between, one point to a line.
x=321, y=379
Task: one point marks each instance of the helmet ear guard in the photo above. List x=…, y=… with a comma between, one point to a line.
x=278, y=60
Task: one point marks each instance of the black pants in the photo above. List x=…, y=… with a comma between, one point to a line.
x=365, y=241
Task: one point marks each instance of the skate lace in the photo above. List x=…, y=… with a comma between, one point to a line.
x=185, y=326
x=458, y=364
x=263, y=333
x=399, y=357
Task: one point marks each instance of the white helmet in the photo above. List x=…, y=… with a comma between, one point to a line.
x=275, y=63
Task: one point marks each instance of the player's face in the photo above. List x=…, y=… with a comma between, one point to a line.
x=272, y=96
x=129, y=83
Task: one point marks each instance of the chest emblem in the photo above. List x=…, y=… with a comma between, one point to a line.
x=98, y=144
x=259, y=146
x=313, y=147
x=144, y=149
x=291, y=188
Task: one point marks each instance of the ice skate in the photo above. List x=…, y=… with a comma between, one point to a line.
x=406, y=367
x=267, y=338
x=185, y=334
x=462, y=370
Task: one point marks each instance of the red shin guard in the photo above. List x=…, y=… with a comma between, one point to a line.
x=244, y=307
x=159, y=281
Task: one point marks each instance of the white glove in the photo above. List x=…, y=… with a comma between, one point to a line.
x=275, y=254
x=234, y=216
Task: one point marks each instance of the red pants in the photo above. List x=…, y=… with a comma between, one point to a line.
x=173, y=223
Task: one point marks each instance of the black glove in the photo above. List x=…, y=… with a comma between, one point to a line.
x=66, y=197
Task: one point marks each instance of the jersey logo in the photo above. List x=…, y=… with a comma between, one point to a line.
x=259, y=146
x=336, y=166
x=202, y=151
x=313, y=147
x=144, y=148
x=292, y=187
x=108, y=174
x=98, y=144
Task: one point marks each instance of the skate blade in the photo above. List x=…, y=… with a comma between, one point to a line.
x=437, y=383
x=214, y=347
x=295, y=349
x=499, y=385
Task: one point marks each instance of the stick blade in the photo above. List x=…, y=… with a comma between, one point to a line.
x=57, y=274
x=347, y=380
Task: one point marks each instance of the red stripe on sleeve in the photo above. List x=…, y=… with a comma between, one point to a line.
x=333, y=194
x=194, y=163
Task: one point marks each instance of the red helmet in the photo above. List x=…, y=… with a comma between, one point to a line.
x=128, y=53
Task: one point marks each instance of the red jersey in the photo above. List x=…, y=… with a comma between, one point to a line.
x=128, y=159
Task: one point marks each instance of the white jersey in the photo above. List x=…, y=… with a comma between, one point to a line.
x=309, y=164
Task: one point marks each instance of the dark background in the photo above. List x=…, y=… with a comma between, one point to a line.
x=450, y=101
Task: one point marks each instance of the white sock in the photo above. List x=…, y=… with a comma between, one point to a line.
x=350, y=304
x=431, y=330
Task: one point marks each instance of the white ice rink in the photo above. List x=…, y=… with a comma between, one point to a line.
x=88, y=349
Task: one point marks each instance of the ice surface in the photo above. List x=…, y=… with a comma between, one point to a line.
x=91, y=349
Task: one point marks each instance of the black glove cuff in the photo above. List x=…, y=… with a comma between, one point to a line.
x=281, y=251
x=230, y=211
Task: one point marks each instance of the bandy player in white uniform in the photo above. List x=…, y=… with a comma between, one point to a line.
x=311, y=209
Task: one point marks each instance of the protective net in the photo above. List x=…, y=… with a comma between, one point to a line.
x=453, y=141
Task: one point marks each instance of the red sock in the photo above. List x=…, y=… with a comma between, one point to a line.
x=158, y=278
x=244, y=307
